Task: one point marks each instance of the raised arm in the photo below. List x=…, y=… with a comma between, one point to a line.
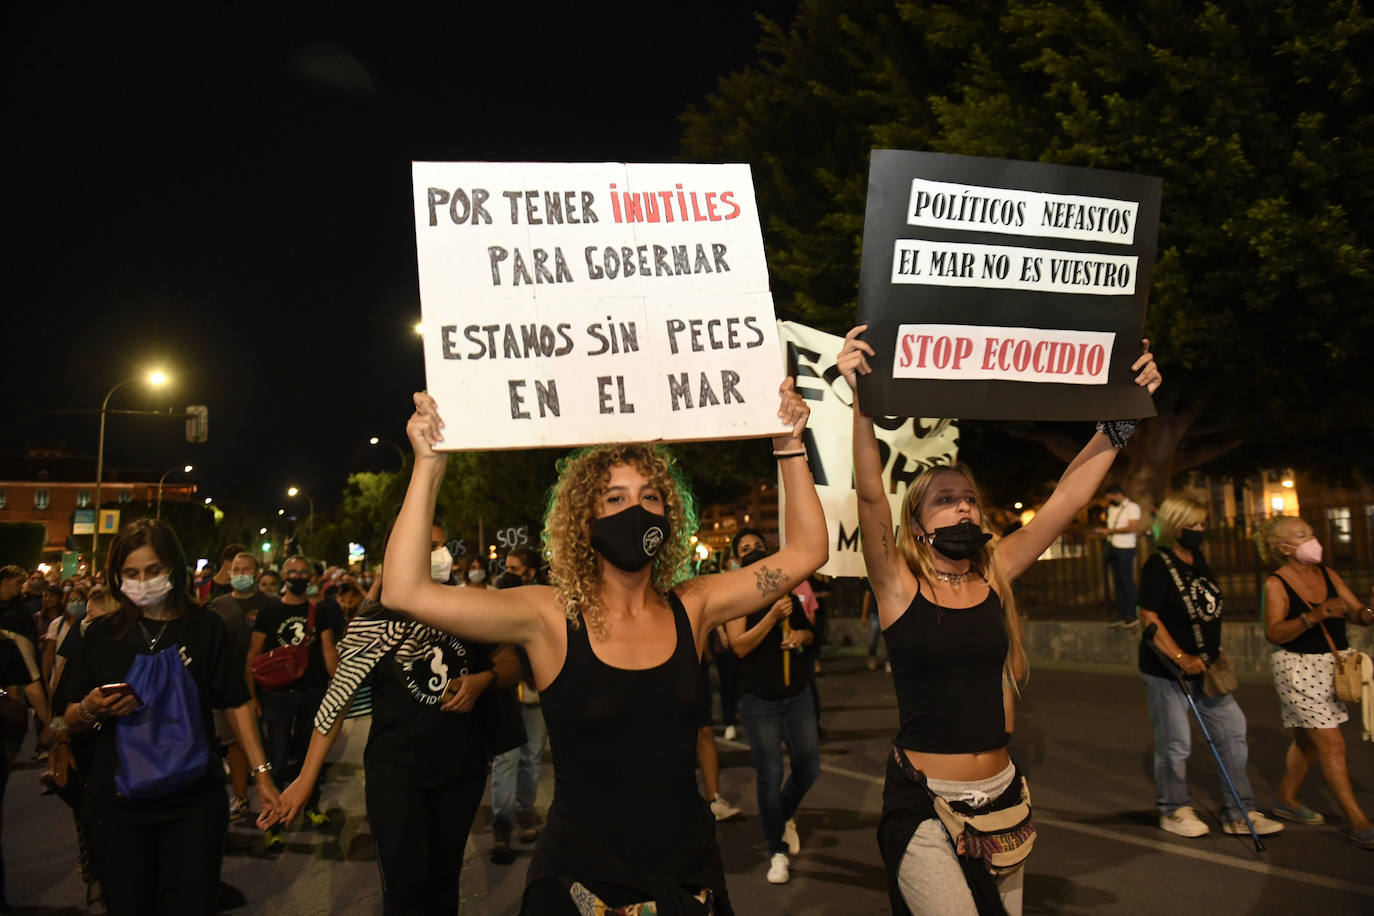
x=1076, y=487
x=726, y=595
x=476, y=614
x=886, y=569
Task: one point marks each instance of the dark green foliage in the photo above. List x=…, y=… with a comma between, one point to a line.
x=1256, y=114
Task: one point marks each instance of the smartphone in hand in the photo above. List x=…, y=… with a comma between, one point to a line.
x=117, y=690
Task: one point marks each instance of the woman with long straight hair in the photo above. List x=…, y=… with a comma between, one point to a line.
x=615, y=647
x=954, y=642
x=156, y=832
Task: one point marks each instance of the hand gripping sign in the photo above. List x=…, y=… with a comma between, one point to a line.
x=577, y=303
x=998, y=290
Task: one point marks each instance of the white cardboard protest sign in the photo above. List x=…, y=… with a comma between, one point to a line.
x=908, y=445
x=577, y=303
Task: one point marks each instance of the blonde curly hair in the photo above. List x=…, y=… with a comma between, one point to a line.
x=1270, y=535
x=572, y=508
x=918, y=560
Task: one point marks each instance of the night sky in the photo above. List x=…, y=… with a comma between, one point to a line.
x=229, y=197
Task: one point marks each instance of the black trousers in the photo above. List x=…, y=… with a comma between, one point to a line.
x=162, y=865
x=420, y=834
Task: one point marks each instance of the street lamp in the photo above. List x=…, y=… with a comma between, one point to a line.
x=399, y=454
x=157, y=378
x=297, y=491
x=161, y=480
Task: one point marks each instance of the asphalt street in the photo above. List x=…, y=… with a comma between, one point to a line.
x=1082, y=737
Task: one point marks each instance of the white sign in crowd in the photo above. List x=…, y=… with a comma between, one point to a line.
x=577, y=303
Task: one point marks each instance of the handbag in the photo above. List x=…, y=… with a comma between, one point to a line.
x=285, y=665
x=1219, y=679
x=161, y=746
x=1349, y=674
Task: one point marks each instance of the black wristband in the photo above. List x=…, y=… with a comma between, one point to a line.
x=1118, y=431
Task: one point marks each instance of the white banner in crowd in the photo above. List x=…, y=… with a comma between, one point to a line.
x=908, y=445
x=577, y=303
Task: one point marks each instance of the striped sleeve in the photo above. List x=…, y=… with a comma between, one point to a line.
x=365, y=643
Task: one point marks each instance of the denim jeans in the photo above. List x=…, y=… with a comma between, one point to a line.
x=288, y=718
x=1123, y=571
x=1173, y=738
x=515, y=773
x=768, y=723
x=875, y=633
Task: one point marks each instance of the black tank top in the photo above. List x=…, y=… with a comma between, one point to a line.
x=1313, y=642
x=624, y=745
x=947, y=670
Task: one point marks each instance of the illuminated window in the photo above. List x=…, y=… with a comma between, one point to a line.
x=1338, y=523
x=3, y=498
x=83, y=499
x=40, y=498
x=126, y=496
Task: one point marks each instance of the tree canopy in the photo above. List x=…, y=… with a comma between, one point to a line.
x=1256, y=115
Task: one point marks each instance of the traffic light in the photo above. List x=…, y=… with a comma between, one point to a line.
x=197, y=423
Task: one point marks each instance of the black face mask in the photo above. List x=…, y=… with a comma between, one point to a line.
x=297, y=586
x=509, y=580
x=959, y=542
x=753, y=556
x=1190, y=538
x=630, y=539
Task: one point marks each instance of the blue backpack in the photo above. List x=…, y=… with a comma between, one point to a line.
x=161, y=745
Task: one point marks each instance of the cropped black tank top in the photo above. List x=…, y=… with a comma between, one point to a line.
x=947, y=670
x=625, y=742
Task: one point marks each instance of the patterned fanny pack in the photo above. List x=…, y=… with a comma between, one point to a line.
x=588, y=904
x=999, y=834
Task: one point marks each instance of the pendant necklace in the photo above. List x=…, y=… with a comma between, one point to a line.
x=954, y=578
x=149, y=638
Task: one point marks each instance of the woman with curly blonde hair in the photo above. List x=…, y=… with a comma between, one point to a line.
x=954, y=642
x=1306, y=608
x=615, y=646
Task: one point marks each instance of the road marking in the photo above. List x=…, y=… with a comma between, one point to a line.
x=1276, y=871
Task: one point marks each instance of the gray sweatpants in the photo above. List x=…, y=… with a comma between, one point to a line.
x=931, y=880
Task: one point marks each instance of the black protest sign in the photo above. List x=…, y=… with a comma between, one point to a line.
x=998, y=290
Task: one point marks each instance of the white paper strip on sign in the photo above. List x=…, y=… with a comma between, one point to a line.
x=960, y=351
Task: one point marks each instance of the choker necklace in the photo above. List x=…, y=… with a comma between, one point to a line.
x=954, y=578
x=150, y=639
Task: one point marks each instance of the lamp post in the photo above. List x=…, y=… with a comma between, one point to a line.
x=156, y=378
x=399, y=454
x=297, y=491
x=163, y=479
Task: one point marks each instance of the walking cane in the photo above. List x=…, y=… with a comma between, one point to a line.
x=1148, y=635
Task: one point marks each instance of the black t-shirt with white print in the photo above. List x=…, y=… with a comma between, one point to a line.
x=286, y=625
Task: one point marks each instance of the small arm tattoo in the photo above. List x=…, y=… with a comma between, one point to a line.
x=768, y=580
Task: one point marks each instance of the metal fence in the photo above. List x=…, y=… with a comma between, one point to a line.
x=1072, y=580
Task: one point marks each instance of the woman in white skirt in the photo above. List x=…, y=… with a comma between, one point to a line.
x=1302, y=599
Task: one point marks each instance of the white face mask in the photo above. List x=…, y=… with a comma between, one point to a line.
x=147, y=593
x=476, y=576
x=440, y=564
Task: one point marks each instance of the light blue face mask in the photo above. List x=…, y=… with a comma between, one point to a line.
x=76, y=610
x=312, y=590
x=241, y=583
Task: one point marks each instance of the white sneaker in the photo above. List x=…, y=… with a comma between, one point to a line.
x=731, y=733
x=789, y=836
x=887, y=666
x=1185, y=822
x=778, y=872
x=722, y=809
x=1264, y=826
